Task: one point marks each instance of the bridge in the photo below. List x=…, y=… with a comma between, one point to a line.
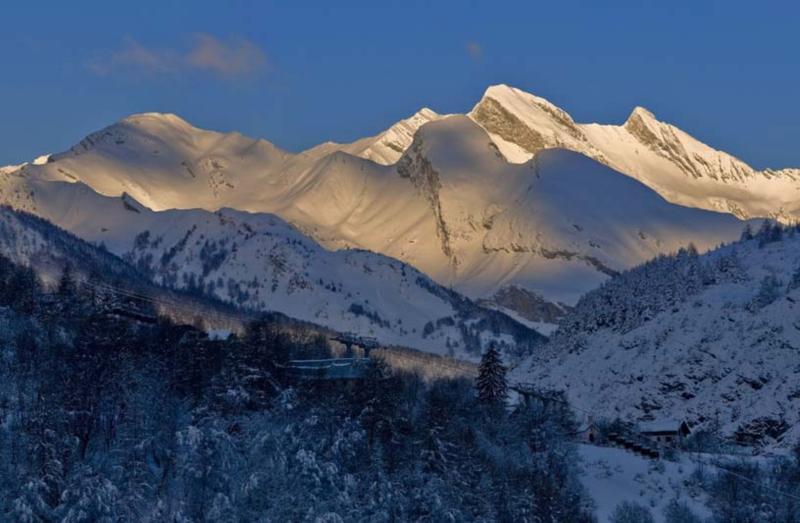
x=626, y=436
x=145, y=305
x=331, y=369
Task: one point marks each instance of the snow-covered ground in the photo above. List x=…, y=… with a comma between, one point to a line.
x=612, y=476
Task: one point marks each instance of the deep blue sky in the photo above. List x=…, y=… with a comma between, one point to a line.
x=298, y=73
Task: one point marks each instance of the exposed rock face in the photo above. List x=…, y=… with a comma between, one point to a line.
x=665, y=140
x=679, y=167
x=529, y=305
x=498, y=120
x=394, y=141
x=419, y=170
x=528, y=122
x=387, y=147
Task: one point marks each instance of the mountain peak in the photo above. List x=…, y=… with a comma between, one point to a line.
x=409, y=126
x=387, y=147
x=154, y=118
x=511, y=96
x=153, y=115
x=41, y=160
x=642, y=113
x=499, y=89
x=427, y=113
x=524, y=124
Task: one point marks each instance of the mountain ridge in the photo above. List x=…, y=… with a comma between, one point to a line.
x=672, y=162
x=476, y=230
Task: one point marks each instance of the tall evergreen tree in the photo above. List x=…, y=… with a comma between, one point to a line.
x=794, y=283
x=747, y=233
x=491, y=383
x=769, y=291
x=24, y=287
x=67, y=286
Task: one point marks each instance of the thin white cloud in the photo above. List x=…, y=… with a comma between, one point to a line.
x=233, y=58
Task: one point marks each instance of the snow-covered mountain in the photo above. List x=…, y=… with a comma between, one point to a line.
x=260, y=262
x=713, y=339
x=451, y=205
x=48, y=250
x=681, y=168
x=553, y=224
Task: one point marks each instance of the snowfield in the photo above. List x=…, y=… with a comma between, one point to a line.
x=612, y=476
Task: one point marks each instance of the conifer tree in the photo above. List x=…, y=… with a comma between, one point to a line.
x=747, y=233
x=67, y=287
x=491, y=382
x=794, y=283
x=768, y=292
x=24, y=287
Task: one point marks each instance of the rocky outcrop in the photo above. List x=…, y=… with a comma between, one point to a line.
x=496, y=119
x=528, y=304
x=414, y=166
x=665, y=140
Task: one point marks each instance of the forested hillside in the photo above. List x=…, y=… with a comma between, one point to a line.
x=103, y=418
x=713, y=339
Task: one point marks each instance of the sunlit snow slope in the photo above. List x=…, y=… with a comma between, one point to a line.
x=483, y=203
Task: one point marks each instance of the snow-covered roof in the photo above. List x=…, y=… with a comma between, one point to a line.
x=667, y=425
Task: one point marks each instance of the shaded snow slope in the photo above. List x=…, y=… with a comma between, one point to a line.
x=713, y=339
x=260, y=262
x=612, y=476
x=35, y=242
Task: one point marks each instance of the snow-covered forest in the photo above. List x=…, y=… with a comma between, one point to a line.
x=711, y=339
x=107, y=419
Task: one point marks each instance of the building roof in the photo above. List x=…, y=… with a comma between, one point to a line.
x=662, y=426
